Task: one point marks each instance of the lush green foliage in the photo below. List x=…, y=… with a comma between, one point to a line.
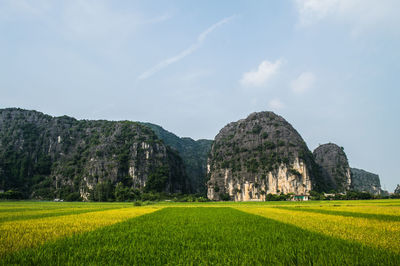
x=280, y=197
x=194, y=155
x=11, y=194
x=349, y=195
x=395, y=196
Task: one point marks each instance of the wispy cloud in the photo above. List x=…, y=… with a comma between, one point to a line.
x=260, y=76
x=192, y=48
x=360, y=14
x=100, y=20
x=13, y=10
x=303, y=82
x=77, y=20
x=311, y=11
x=276, y=104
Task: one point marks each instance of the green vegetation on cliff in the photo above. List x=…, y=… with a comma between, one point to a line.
x=48, y=157
x=259, y=155
x=194, y=155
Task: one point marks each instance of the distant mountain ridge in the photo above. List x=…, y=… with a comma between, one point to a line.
x=45, y=157
x=364, y=181
x=263, y=154
x=193, y=152
x=336, y=171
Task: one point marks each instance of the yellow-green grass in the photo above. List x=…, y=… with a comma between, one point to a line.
x=367, y=209
x=15, y=235
x=389, y=214
x=13, y=211
x=33, y=205
x=377, y=233
x=21, y=207
x=28, y=214
x=371, y=224
x=201, y=236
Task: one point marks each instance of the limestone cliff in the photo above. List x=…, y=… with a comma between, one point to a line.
x=259, y=155
x=364, y=181
x=334, y=165
x=47, y=157
x=194, y=155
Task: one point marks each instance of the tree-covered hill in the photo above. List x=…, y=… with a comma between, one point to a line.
x=47, y=157
x=194, y=155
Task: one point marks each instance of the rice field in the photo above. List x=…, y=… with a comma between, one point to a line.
x=220, y=233
x=24, y=229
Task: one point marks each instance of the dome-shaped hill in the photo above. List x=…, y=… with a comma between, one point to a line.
x=335, y=166
x=259, y=155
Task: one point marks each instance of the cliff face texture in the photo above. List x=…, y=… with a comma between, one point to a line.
x=194, y=154
x=364, y=181
x=45, y=156
x=334, y=166
x=48, y=157
x=259, y=155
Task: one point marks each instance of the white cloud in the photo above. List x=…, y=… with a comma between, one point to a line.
x=200, y=39
x=311, y=11
x=259, y=77
x=276, y=104
x=303, y=82
x=98, y=19
x=92, y=20
x=360, y=14
x=13, y=10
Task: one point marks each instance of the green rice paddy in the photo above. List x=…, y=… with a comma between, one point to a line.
x=208, y=234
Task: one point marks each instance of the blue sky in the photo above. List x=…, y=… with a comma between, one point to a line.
x=330, y=67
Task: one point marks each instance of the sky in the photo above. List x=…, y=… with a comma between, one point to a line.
x=329, y=67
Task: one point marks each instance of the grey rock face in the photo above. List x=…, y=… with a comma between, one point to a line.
x=44, y=156
x=334, y=165
x=259, y=155
x=364, y=181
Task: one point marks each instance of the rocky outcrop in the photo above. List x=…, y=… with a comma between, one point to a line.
x=335, y=167
x=46, y=156
x=194, y=154
x=364, y=181
x=259, y=155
